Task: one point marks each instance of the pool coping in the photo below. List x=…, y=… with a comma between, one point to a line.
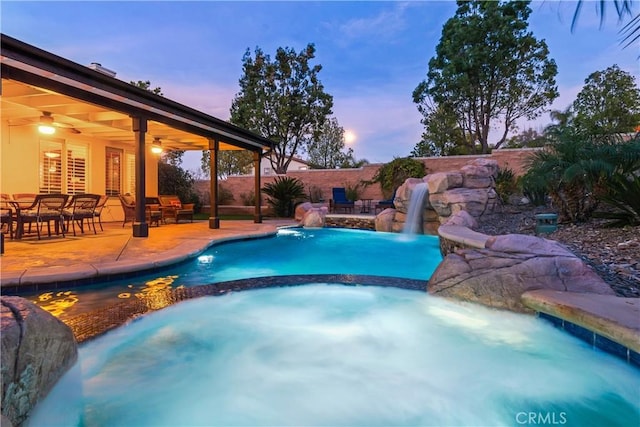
x=609, y=323
x=89, y=325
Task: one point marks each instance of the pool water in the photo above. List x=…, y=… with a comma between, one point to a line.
x=335, y=355
x=291, y=251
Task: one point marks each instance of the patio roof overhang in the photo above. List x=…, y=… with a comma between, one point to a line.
x=86, y=101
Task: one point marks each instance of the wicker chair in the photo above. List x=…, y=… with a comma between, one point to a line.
x=172, y=207
x=129, y=207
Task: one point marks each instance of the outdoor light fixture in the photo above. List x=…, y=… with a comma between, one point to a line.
x=46, y=124
x=156, y=146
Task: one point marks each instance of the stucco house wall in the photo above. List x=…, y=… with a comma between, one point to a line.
x=20, y=164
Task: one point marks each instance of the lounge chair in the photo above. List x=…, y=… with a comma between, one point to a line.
x=82, y=207
x=172, y=207
x=384, y=204
x=340, y=201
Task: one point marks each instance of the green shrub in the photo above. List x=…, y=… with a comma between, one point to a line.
x=353, y=191
x=506, y=183
x=283, y=193
x=225, y=196
x=534, y=189
x=624, y=197
x=248, y=199
x=391, y=175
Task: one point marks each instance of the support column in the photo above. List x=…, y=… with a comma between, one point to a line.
x=214, y=219
x=257, y=213
x=140, y=226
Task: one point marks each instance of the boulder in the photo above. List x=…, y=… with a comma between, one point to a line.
x=462, y=218
x=475, y=176
x=384, y=220
x=314, y=218
x=491, y=165
x=37, y=349
x=472, y=200
x=443, y=181
x=509, y=266
x=301, y=210
x=403, y=194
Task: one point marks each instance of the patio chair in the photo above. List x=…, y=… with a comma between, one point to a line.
x=97, y=213
x=340, y=201
x=6, y=217
x=44, y=209
x=384, y=204
x=172, y=207
x=153, y=212
x=129, y=207
x=81, y=207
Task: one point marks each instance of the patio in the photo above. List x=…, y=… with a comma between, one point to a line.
x=30, y=262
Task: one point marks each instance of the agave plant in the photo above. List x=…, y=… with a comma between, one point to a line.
x=283, y=193
x=624, y=197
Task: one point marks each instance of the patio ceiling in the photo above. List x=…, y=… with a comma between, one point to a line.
x=22, y=105
x=87, y=103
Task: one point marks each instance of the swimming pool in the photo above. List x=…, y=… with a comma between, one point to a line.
x=292, y=251
x=333, y=355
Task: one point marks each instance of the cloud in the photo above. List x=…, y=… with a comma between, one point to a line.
x=387, y=23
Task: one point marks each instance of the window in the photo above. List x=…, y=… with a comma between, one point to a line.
x=113, y=171
x=60, y=173
x=130, y=182
x=76, y=169
x=50, y=179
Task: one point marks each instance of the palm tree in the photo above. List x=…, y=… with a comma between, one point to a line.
x=630, y=32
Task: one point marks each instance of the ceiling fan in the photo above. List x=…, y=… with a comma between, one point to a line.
x=48, y=125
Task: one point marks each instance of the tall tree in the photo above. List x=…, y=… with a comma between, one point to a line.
x=608, y=104
x=230, y=162
x=489, y=69
x=282, y=100
x=326, y=150
x=526, y=139
x=146, y=85
x=443, y=135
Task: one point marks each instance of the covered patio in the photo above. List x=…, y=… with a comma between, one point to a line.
x=91, y=109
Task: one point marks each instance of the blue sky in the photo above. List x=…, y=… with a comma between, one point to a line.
x=373, y=53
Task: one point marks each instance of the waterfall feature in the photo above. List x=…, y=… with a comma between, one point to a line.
x=413, y=223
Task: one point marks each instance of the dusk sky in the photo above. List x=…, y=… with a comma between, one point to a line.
x=373, y=53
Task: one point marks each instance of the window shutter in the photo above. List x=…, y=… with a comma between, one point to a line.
x=76, y=169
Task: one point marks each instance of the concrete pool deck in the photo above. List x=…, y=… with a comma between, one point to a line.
x=29, y=262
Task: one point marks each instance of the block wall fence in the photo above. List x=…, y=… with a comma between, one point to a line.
x=325, y=179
